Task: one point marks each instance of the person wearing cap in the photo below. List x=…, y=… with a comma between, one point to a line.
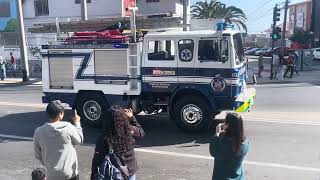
x=54, y=144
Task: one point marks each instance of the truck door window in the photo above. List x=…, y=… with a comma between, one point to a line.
x=162, y=50
x=208, y=50
x=186, y=47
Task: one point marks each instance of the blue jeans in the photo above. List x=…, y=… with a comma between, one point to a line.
x=133, y=177
x=2, y=73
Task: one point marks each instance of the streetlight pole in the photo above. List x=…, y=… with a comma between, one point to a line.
x=23, y=45
x=185, y=14
x=84, y=10
x=286, y=6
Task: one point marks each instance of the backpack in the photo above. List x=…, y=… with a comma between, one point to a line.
x=112, y=167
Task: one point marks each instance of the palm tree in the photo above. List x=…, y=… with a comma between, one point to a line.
x=217, y=10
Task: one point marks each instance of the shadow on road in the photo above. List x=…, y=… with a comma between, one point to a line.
x=160, y=131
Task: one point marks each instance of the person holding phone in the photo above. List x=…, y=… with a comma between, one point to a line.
x=229, y=147
x=121, y=131
x=54, y=144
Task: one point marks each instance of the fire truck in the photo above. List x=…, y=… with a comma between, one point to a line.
x=191, y=75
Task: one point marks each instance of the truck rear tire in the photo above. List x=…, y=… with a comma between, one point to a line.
x=192, y=114
x=92, y=109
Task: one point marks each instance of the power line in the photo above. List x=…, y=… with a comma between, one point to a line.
x=269, y=11
x=263, y=5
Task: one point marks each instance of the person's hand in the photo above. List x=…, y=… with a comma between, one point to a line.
x=76, y=119
x=219, y=128
x=128, y=112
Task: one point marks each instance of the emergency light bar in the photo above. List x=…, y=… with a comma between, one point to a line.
x=224, y=26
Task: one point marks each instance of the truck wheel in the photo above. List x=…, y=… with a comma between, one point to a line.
x=91, y=108
x=191, y=114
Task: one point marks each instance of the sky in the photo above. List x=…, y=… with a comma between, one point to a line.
x=258, y=12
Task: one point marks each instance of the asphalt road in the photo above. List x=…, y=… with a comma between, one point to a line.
x=283, y=129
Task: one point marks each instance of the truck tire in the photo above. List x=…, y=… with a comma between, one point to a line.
x=91, y=107
x=192, y=114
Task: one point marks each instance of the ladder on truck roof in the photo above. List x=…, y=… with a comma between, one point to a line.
x=144, y=23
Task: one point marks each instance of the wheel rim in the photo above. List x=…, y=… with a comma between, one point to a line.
x=191, y=114
x=92, y=110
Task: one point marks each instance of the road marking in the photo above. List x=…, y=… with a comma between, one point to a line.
x=281, y=121
x=195, y=156
x=34, y=105
x=279, y=85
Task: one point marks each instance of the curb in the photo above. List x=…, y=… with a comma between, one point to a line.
x=18, y=84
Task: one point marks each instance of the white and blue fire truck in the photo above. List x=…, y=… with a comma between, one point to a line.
x=191, y=75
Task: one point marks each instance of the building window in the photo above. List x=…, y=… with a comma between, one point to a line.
x=79, y=1
x=152, y=1
x=161, y=50
x=41, y=7
x=5, y=9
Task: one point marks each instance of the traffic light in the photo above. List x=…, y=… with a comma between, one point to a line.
x=276, y=14
x=276, y=34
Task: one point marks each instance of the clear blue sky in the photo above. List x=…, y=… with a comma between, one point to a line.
x=259, y=12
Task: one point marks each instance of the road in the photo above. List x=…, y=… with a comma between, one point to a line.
x=283, y=129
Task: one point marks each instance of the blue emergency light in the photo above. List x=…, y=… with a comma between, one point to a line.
x=224, y=26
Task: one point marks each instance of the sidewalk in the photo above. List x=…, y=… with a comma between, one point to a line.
x=14, y=82
x=310, y=76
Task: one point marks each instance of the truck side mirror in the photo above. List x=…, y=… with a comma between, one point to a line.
x=224, y=51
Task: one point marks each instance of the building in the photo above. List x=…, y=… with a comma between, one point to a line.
x=48, y=11
x=300, y=16
x=316, y=21
x=8, y=13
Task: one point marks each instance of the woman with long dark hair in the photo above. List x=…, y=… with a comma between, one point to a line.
x=121, y=131
x=229, y=147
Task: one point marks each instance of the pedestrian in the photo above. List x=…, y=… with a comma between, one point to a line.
x=54, y=144
x=290, y=65
x=229, y=147
x=13, y=63
x=275, y=65
x=121, y=131
x=260, y=65
x=38, y=174
x=281, y=66
x=296, y=62
x=2, y=68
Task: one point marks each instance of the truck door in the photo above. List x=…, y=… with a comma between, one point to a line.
x=186, y=61
x=160, y=66
x=213, y=66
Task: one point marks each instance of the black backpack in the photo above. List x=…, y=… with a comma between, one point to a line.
x=112, y=167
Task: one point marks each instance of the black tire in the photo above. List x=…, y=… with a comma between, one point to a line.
x=185, y=109
x=91, y=107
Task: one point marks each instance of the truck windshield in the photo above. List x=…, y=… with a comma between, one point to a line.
x=238, y=47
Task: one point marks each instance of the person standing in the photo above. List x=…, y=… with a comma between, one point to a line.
x=229, y=146
x=121, y=131
x=13, y=63
x=54, y=144
x=275, y=65
x=2, y=68
x=281, y=66
x=290, y=65
x=260, y=65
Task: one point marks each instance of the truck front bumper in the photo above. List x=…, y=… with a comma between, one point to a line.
x=245, y=100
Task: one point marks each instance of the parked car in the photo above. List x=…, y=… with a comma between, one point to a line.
x=260, y=51
x=251, y=51
x=316, y=53
x=268, y=52
x=279, y=51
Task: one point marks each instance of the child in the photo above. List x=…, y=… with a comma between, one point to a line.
x=38, y=174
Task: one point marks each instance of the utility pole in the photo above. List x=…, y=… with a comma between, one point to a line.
x=273, y=30
x=286, y=6
x=185, y=14
x=84, y=10
x=23, y=45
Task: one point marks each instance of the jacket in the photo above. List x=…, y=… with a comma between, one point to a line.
x=227, y=165
x=102, y=150
x=54, y=146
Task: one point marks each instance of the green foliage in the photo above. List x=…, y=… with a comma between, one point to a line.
x=217, y=10
x=12, y=26
x=301, y=36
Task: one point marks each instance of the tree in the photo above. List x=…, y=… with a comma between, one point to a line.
x=217, y=10
x=12, y=26
x=301, y=36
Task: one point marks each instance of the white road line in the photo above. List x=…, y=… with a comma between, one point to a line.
x=279, y=85
x=34, y=105
x=281, y=121
x=195, y=156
